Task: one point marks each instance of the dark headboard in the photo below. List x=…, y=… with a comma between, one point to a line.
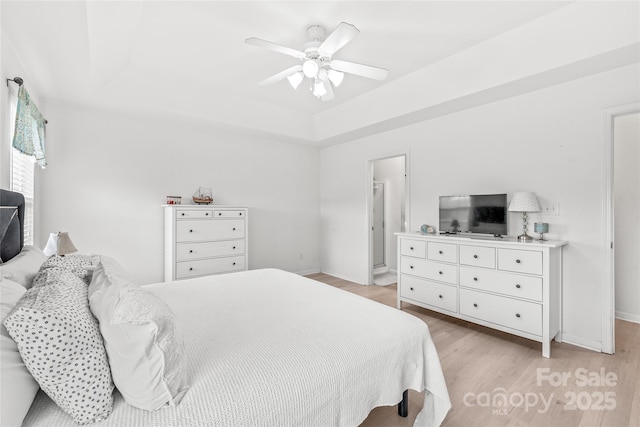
x=11, y=224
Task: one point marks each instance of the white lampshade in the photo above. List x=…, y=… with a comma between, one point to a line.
x=295, y=79
x=319, y=89
x=524, y=201
x=336, y=77
x=59, y=244
x=310, y=68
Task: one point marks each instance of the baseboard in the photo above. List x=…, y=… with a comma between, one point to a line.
x=341, y=276
x=307, y=272
x=629, y=317
x=582, y=342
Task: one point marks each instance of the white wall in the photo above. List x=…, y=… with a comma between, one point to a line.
x=109, y=173
x=627, y=216
x=549, y=141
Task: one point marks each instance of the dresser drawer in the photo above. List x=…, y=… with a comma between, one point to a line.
x=429, y=270
x=203, y=267
x=510, y=284
x=445, y=252
x=187, y=251
x=228, y=213
x=193, y=231
x=430, y=293
x=478, y=256
x=194, y=214
x=520, y=315
x=415, y=248
x=520, y=261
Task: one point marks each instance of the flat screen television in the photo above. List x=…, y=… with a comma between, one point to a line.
x=478, y=214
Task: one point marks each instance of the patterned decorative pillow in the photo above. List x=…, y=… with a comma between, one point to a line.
x=142, y=337
x=80, y=265
x=60, y=344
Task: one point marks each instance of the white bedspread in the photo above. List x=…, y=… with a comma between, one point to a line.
x=270, y=348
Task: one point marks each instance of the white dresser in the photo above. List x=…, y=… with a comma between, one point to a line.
x=502, y=284
x=203, y=240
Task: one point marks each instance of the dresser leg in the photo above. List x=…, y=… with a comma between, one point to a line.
x=546, y=349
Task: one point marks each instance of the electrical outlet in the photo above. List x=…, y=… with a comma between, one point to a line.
x=550, y=209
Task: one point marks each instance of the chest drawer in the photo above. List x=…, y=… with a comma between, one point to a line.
x=520, y=261
x=414, y=248
x=187, y=251
x=429, y=270
x=478, y=256
x=445, y=252
x=515, y=314
x=228, y=213
x=204, y=267
x=193, y=231
x=194, y=214
x=510, y=284
x=430, y=293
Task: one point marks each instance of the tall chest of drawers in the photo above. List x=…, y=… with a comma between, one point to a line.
x=204, y=240
x=502, y=284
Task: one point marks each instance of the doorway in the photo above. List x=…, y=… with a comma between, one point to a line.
x=613, y=269
x=387, y=208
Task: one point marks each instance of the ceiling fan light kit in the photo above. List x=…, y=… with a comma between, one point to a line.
x=317, y=65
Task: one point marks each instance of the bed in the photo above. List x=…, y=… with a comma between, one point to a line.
x=271, y=348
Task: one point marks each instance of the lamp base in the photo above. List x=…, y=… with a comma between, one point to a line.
x=524, y=237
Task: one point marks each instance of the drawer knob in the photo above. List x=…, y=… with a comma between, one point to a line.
x=518, y=286
x=234, y=229
x=233, y=247
x=440, y=296
x=190, y=251
x=475, y=279
x=190, y=268
x=190, y=231
x=517, y=314
x=475, y=256
x=206, y=214
x=411, y=267
x=240, y=214
x=411, y=248
x=182, y=213
x=475, y=305
x=219, y=213
x=440, y=273
x=517, y=261
x=234, y=263
x=440, y=252
x=411, y=288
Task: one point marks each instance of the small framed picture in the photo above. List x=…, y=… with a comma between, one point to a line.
x=174, y=200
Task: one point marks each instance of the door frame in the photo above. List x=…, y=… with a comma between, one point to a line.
x=385, y=238
x=369, y=204
x=608, y=283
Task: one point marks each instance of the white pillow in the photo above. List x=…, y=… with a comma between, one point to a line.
x=23, y=267
x=60, y=344
x=16, y=383
x=142, y=338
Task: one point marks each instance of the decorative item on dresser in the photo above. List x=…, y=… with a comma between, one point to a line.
x=507, y=285
x=204, y=240
x=524, y=202
x=541, y=228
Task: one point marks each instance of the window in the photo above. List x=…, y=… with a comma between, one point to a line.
x=22, y=172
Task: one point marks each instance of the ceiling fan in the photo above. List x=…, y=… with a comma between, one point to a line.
x=316, y=61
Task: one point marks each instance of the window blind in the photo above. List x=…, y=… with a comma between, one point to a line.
x=22, y=176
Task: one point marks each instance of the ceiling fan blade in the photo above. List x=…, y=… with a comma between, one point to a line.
x=329, y=95
x=359, y=69
x=276, y=47
x=281, y=75
x=336, y=40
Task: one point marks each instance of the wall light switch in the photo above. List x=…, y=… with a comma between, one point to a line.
x=550, y=209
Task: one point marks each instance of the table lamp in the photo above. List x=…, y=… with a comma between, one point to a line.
x=524, y=202
x=59, y=244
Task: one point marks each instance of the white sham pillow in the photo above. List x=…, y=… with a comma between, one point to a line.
x=144, y=342
x=16, y=383
x=23, y=267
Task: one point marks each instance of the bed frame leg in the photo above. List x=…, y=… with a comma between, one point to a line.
x=403, y=406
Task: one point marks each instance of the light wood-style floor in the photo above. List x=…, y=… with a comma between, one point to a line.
x=575, y=387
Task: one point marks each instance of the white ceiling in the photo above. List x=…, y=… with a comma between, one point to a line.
x=190, y=58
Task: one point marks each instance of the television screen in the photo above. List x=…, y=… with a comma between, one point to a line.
x=482, y=214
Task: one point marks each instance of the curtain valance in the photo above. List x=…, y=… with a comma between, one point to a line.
x=29, y=134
